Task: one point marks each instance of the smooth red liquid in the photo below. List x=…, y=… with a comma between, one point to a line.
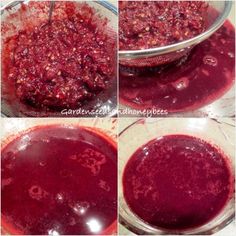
x=59, y=180
x=177, y=182
x=191, y=83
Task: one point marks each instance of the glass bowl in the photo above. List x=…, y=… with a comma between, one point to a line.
x=166, y=54
x=142, y=131
x=105, y=102
x=106, y=128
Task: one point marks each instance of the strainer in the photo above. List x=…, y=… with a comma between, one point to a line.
x=216, y=15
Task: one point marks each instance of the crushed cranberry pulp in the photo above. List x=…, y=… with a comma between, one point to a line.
x=59, y=180
x=192, y=82
x=177, y=182
x=65, y=63
x=148, y=24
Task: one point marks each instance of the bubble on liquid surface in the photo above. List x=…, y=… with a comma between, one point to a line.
x=72, y=221
x=6, y=182
x=91, y=159
x=104, y=185
x=210, y=60
x=181, y=83
x=37, y=193
x=42, y=163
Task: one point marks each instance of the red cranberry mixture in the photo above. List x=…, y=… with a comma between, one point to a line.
x=65, y=63
x=148, y=24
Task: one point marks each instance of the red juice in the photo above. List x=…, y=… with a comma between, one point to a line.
x=177, y=182
x=59, y=180
x=190, y=83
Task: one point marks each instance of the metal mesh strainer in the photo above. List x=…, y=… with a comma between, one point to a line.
x=165, y=54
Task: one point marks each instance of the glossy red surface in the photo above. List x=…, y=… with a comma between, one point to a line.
x=64, y=64
x=59, y=180
x=187, y=84
x=177, y=182
x=148, y=24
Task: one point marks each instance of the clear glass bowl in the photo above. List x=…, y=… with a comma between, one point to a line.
x=107, y=128
x=142, y=131
x=169, y=53
x=105, y=101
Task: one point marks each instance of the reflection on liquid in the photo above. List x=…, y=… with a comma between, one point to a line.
x=59, y=198
x=55, y=190
x=24, y=142
x=81, y=208
x=94, y=225
x=53, y=232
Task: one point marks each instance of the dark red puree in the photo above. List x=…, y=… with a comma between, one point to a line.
x=63, y=64
x=177, y=182
x=190, y=83
x=58, y=180
x=148, y=24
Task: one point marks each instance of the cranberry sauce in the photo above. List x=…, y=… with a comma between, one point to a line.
x=191, y=83
x=63, y=64
x=59, y=180
x=177, y=182
x=148, y=24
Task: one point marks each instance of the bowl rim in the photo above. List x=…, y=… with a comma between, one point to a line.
x=180, y=46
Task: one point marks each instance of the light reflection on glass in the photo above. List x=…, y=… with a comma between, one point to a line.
x=94, y=225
